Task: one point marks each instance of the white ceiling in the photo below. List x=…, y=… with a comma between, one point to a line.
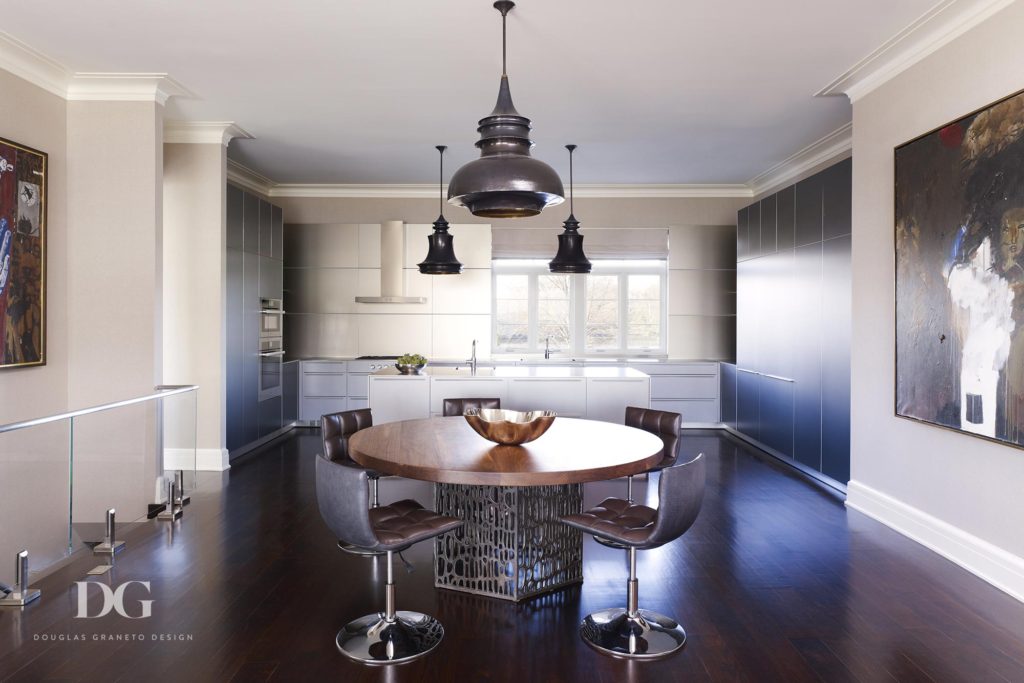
x=349, y=91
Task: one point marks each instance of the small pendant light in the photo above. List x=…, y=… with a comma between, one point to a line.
x=570, y=257
x=505, y=182
x=441, y=248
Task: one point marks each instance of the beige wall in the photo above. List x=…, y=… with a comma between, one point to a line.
x=115, y=190
x=194, y=248
x=103, y=318
x=968, y=490
x=33, y=117
x=115, y=171
x=39, y=457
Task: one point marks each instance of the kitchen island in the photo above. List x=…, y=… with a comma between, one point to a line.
x=594, y=393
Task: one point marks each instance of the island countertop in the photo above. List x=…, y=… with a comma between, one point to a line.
x=522, y=372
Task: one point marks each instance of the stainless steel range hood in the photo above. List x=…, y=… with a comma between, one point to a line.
x=392, y=253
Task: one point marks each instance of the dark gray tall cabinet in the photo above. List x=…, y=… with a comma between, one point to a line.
x=255, y=270
x=790, y=387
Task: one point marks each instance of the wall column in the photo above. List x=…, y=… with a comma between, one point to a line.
x=194, y=252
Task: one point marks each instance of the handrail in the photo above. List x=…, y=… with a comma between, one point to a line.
x=162, y=391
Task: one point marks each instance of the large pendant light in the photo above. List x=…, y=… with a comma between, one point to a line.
x=441, y=252
x=505, y=182
x=570, y=257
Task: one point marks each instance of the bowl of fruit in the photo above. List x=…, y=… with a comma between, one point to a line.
x=410, y=363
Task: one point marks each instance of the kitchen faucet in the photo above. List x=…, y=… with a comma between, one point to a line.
x=472, y=359
x=547, y=348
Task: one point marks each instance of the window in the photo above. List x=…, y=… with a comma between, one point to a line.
x=620, y=308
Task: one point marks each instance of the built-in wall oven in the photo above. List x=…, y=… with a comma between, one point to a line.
x=271, y=319
x=271, y=358
x=271, y=349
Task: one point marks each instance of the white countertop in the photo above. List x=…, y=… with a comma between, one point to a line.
x=523, y=372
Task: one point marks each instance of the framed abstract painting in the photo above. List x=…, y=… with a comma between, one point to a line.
x=22, y=255
x=960, y=274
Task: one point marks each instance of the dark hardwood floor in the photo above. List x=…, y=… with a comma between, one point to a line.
x=777, y=581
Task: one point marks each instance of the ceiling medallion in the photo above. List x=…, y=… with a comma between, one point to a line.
x=505, y=182
x=441, y=252
x=570, y=257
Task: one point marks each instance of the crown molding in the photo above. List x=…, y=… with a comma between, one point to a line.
x=937, y=27
x=246, y=178
x=125, y=87
x=47, y=73
x=203, y=132
x=622, y=191
x=429, y=191
x=831, y=147
x=33, y=66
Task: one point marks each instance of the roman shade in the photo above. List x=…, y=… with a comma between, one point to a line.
x=599, y=243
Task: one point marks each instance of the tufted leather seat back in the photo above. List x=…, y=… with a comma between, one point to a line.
x=342, y=498
x=336, y=428
x=458, y=406
x=662, y=423
x=680, y=494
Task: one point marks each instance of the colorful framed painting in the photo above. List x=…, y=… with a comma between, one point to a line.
x=22, y=255
x=960, y=274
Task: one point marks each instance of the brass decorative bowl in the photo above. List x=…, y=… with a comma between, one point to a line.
x=509, y=427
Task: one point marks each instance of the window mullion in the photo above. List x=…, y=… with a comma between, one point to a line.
x=532, y=314
x=581, y=314
x=578, y=313
x=623, y=310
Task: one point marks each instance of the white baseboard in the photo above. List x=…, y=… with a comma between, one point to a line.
x=206, y=459
x=991, y=563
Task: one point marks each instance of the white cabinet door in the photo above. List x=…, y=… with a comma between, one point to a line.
x=310, y=409
x=453, y=387
x=607, y=398
x=694, y=410
x=358, y=384
x=567, y=397
x=684, y=386
x=315, y=385
x=399, y=398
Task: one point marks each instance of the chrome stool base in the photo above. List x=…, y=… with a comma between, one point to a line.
x=648, y=635
x=374, y=640
x=356, y=550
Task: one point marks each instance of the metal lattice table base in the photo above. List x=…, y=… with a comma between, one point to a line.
x=512, y=545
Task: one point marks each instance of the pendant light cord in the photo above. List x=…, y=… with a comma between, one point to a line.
x=571, y=148
x=440, y=180
x=503, y=6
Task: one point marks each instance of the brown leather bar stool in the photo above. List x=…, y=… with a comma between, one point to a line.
x=390, y=636
x=458, y=406
x=662, y=423
x=336, y=428
x=631, y=631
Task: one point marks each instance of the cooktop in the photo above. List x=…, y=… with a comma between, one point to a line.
x=377, y=358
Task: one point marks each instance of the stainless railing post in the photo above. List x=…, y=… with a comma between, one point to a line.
x=173, y=510
x=20, y=594
x=179, y=482
x=110, y=544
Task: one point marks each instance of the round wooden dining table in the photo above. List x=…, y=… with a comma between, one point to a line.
x=512, y=545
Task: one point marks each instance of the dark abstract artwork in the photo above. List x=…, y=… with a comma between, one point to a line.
x=22, y=255
x=960, y=274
